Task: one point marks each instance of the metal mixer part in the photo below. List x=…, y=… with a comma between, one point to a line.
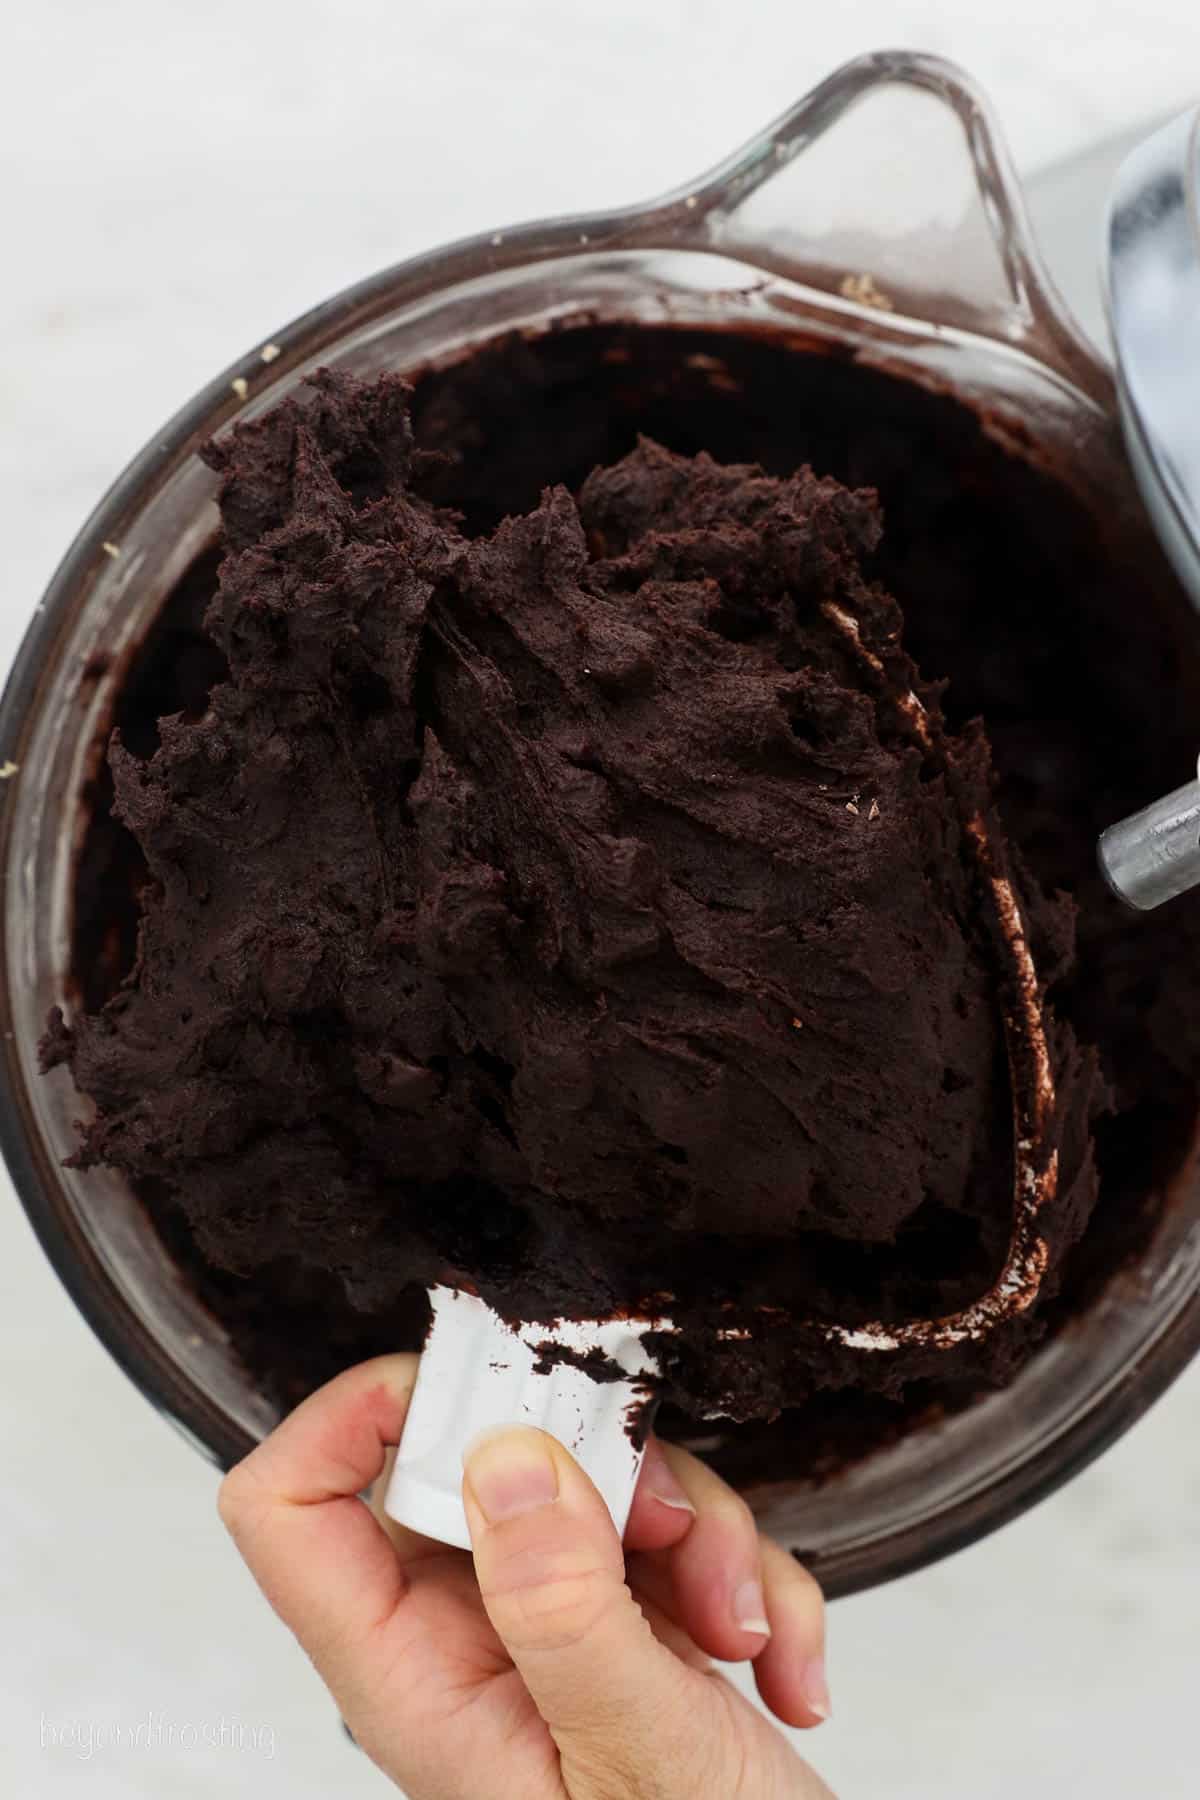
x=1155, y=854
x=1153, y=292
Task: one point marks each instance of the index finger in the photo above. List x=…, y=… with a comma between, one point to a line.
x=294, y=1510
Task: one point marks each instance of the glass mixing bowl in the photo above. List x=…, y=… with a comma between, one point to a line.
x=879, y=219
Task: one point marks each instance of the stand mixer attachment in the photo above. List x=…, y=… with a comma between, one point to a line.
x=591, y=1383
x=1153, y=276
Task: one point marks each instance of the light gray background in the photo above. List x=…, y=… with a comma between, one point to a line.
x=175, y=182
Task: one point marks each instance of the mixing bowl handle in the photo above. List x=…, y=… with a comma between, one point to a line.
x=890, y=188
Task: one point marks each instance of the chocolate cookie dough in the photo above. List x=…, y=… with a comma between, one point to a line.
x=566, y=908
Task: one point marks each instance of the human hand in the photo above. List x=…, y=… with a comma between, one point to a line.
x=555, y=1666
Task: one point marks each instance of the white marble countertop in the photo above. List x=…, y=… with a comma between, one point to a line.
x=174, y=184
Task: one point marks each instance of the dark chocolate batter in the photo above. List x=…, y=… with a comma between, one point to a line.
x=1066, y=634
x=559, y=908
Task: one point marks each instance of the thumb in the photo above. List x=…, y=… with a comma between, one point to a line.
x=552, y=1575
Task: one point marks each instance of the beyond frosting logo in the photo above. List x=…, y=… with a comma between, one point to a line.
x=86, y=1738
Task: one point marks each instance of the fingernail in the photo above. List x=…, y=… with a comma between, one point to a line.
x=677, y=1502
x=750, y=1609
x=816, y=1689
x=510, y=1471
x=662, y=1483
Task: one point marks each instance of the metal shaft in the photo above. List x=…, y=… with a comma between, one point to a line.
x=1155, y=854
